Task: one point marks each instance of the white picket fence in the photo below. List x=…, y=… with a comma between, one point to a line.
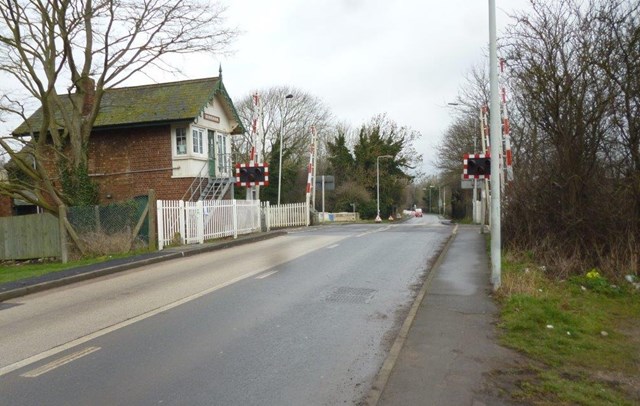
x=286, y=215
x=182, y=222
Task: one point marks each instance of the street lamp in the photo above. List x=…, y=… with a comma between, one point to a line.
x=378, y=181
x=496, y=143
x=430, y=189
x=286, y=103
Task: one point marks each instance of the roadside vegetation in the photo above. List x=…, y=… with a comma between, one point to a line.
x=17, y=270
x=580, y=335
x=571, y=215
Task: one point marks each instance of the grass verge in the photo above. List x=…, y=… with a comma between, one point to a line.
x=17, y=270
x=581, y=336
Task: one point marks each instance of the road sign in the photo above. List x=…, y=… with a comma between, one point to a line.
x=466, y=183
x=329, y=182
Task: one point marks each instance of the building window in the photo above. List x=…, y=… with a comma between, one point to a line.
x=181, y=141
x=198, y=135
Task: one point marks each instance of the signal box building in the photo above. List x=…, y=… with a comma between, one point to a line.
x=173, y=137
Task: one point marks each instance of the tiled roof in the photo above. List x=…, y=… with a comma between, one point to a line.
x=148, y=104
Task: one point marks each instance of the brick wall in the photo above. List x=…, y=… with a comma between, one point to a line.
x=129, y=162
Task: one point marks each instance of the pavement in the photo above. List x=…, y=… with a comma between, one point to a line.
x=445, y=351
x=447, y=348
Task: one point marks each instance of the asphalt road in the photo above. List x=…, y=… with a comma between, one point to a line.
x=302, y=319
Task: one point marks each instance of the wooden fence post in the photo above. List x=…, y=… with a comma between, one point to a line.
x=153, y=239
x=62, y=215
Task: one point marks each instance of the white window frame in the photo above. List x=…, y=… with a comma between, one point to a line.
x=197, y=137
x=181, y=132
x=222, y=153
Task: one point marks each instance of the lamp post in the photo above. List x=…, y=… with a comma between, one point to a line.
x=378, y=182
x=496, y=143
x=286, y=104
x=430, y=189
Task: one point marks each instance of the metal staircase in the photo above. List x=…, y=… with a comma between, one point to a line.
x=205, y=187
x=215, y=189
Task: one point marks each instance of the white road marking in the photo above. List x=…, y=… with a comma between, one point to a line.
x=117, y=326
x=377, y=230
x=59, y=362
x=266, y=274
x=332, y=246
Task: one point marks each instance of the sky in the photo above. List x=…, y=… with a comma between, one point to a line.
x=405, y=58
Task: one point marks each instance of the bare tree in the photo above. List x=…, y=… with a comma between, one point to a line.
x=619, y=62
x=295, y=115
x=574, y=69
x=65, y=53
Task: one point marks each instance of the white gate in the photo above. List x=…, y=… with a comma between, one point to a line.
x=182, y=222
x=286, y=215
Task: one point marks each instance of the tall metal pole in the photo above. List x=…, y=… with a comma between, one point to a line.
x=496, y=142
x=378, y=180
x=378, y=186
x=284, y=115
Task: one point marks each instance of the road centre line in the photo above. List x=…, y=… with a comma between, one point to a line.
x=59, y=362
x=74, y=343
x=332, y=246
x=377, y=230
x=266, y=274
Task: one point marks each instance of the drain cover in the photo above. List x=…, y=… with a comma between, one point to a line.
x=351, y=295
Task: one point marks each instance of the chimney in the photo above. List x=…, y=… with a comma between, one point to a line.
x=88, y=90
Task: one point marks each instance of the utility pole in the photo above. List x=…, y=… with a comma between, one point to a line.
x=284, y=116
x=378, y=219
x=496, y=142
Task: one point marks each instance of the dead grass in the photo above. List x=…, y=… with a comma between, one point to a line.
x=521, y=276
x=98, y=244
x=582, y=333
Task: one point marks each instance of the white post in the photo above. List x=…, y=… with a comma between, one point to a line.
x=160, y=222
x=267, y=215
x=286, y=104
x=183, y=222
x=200, y=221
x=378, y=186
x=235, y=218
x=323, y=198
x=378, y=183
x=496, y=141
x=315, y=165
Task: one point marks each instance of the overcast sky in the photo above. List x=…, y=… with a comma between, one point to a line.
x=406, y=58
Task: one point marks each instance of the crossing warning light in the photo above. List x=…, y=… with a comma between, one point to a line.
x=252, y=175
x=476, y=166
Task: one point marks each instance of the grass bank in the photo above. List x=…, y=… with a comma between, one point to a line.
x=16, y=270
x=581, y=336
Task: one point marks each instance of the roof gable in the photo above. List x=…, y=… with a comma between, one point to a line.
x=149, y=104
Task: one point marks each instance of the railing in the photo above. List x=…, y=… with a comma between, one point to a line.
x=181, y=222
x=196, y=186
x=285, y=215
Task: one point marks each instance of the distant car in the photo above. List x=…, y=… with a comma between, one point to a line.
x=418, y=213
